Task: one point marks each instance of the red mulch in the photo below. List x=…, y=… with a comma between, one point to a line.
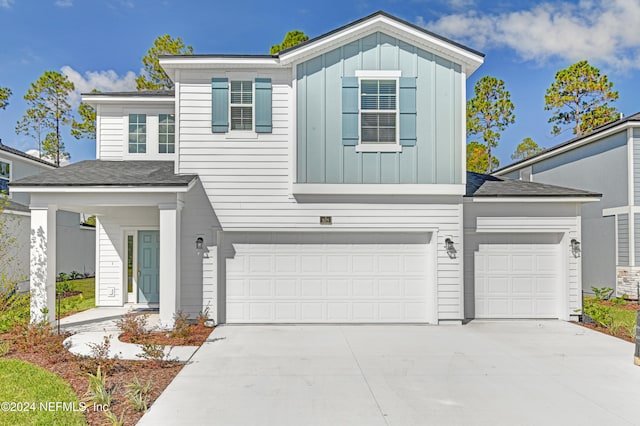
x=195, y=335
x=66, y=294
x=629, y=306
x=49, y=354
x=620, y=334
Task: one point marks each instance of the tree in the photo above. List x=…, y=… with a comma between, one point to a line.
x=53, y=148
x=580, y=97
x=489, y=112
x=33, y=124
x=478, y=158
x=85, y=129
x=49, y=107
x=5, y=94
x=293, y=38
x=153, y=76
x=525, y=149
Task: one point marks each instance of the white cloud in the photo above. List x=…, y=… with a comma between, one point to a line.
x=603, y=31
x=63, y=160
x=6, y=4
x=64, y=3
x=104, y=81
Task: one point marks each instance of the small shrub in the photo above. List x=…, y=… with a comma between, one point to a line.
x=5, y=348
x=203, y=316
x=617, y=301
x=74, y=275
x=600, y=314
x=603, y=293
x=39, y=336
x=113, y=419
x=97, y=391
x=64, y=286
x=155, y=354
x=134, y=325
x=62, y=276
x=138, y=394
x=100, y=357
x=181, y=327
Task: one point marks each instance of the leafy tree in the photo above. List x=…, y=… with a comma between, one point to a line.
x=580, y=97
x=33, y=124
x=5, y=94
x=293, y=38
x=478, y=158
x=85, y=129
x=53, y=149
x=525, y=149
x=153, y=76
x=49, y=107
x=489, y=112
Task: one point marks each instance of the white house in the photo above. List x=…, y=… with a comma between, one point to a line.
x=76, y=248
x=325, y=184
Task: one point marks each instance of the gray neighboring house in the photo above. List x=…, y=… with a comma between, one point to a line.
x=606, y=161
x=76, y=244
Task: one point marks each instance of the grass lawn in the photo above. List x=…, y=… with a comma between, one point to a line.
x=23, y=382
x=617, y=316
x=81, y=302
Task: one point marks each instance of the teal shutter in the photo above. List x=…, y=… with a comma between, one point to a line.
x=350, y=111
x=263, y=105
x=219, y=105
x=408, y=111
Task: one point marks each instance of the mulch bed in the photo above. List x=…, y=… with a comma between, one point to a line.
x=620, y=335
x=195, y=335
x=49, y=354
x=66, y=294
x=629, y=306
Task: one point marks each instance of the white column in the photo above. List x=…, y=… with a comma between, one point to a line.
x=169, y=262
x=43, y=263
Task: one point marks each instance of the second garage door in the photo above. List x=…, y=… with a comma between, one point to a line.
x=517, y=281
x=330, y=283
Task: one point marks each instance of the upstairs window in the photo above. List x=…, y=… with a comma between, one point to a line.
x=378, y=111
x=5, y=177
x=166, y=133
x=241, y=105
x=137, y=133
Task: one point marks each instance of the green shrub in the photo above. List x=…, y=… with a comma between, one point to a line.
x=138, y=394
x=97, y=391
x=603, y=293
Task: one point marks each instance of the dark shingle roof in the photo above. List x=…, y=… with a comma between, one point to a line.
x=481, y=185
x=604, y=127
x=19, y=153
x=141, y=93
x=16, y=207
x=109, y=173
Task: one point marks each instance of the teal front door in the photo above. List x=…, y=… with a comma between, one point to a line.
x=148, y=266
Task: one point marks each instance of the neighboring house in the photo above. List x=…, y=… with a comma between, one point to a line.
x=76, y=247
x=606, y=161
x=323, y=184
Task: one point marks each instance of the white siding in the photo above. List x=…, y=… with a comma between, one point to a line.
x=247, y=183
x=110, y=133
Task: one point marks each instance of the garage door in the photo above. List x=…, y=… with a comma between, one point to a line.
x=330, y=283
x=517, y=281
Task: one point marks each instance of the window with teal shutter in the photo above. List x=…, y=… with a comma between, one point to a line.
x=219, y=105
x=350, y=111
x=263, y=105
x=407, y=103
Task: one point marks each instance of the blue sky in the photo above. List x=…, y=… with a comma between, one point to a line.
x=99, y=43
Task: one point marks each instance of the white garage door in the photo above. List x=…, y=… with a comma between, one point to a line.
x=517, y=280
x=332, y=283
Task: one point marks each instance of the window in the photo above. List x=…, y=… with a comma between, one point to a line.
x=241, y=105
x=5, y=177
x=378, y=111
x=137, y=133
x=166, y=134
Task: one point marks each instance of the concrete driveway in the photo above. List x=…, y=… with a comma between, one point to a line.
x=483, y=373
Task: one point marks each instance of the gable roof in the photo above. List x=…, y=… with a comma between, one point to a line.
x=481, y=185
x=17, y=152
x=378, y=21
x=103, y=173
x=593, y=136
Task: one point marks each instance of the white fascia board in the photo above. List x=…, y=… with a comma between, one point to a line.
x=13, y=156
x=101, y=189
x=391, y=27
x=535, y=199
x=171, y=65
x=377, y=189
x=613, y=211
x=576, y=144
x=15, y=212
x=154, y=100
x=333, y=228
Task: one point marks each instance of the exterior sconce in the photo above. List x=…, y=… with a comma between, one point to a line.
x=451, y=250
x=575, y=247
x=199, y=243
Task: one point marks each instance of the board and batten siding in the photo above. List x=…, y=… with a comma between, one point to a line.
x=247, y=182
x=623, y=239
x=322, y=158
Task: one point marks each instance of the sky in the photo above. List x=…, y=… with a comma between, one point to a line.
x=100, y=43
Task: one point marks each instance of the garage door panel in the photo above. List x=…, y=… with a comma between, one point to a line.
x=286, y=264
x=337, y=264
x=284, y=288
x=517, y=280
x=337, y=288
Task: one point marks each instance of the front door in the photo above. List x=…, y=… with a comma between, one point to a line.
x=148, y=266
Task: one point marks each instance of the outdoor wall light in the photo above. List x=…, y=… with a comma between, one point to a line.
x=451, y=250
x=575, y=247
x=199, y=243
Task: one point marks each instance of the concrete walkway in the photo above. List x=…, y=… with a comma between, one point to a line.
x=483, y=373
x=91, y=327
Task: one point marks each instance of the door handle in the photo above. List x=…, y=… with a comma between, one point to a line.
x=138, y=273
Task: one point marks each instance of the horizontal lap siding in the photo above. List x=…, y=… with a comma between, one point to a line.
x=112, y=133
x=247, y=183
x=623, y=240
x=109, y=263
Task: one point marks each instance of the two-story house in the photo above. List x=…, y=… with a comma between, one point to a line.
x=326, y=183
x=76, y=246
x=606, y=160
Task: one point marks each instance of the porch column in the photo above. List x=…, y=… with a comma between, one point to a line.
x=43, y=263
x=169, y=261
